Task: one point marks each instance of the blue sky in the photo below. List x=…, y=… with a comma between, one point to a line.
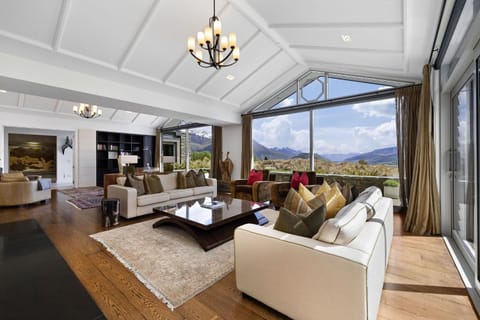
x=346, y=129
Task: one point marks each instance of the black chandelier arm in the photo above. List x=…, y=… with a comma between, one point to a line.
x=200, y=61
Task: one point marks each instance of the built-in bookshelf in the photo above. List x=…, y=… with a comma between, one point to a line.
x=112, y=144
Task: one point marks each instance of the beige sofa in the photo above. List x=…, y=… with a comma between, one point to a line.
x=306, y=278
x=132, y=205
x=22, y=192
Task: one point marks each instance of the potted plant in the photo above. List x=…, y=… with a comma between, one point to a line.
x=391, y=188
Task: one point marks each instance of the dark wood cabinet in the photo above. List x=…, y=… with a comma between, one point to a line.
x=112, y=144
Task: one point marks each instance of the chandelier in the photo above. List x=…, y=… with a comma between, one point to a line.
x=215, y=45
x=87, y=111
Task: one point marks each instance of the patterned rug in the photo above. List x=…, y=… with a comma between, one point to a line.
x=168, y=261
x=84, y=198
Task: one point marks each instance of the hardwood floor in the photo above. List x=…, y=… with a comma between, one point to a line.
x=421, y=280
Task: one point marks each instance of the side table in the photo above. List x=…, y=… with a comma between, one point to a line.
x=110, y=211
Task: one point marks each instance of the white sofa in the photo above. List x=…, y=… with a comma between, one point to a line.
x=310, y=279
x=132, y=205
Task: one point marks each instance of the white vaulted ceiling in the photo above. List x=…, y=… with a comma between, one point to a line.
x=129, y=56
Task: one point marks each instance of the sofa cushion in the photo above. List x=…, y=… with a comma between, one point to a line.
x=136, y=183
x=324, y=187
x=295, y=203
x=345, y=226
x=254, y=176
x=298, y=178
x=200, y=180
x=13, y=177
x=305, y=193
x=169, y=181
x=369, y=197
x=180, y=193
x=203, y=190
x=335, y=201
x=121, y=180
x=305, y=225
x=147, y=199
x=181, y=180
x=190, y=179
x=153, y=184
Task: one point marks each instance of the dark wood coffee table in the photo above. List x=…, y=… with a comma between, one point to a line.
x=211, y=226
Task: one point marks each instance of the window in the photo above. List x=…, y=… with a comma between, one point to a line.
x=200, y=148
x=281, y=143
x=358, y=139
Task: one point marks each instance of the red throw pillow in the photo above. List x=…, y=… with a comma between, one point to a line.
x=297, y=179
x=255, y=175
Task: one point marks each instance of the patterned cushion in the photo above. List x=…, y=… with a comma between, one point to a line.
x=295, y=203
x=305, y=193
x=181, y=180
x=324, y=187
x=335, y=201
x=190, y=179
x=153, y=184
x=297, y=179
x=255, y=175
x=200, y=180
x=306, y=224
x=136, y=183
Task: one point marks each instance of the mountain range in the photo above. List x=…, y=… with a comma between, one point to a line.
x=199, y=142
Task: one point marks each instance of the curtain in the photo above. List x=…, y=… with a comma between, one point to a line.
x=158, y=148
x=216, y=152
x=408, y=101
x=423, y=213
x=246, y=145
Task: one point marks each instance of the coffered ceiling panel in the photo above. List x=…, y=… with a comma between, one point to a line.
x=257, y=52
x=124, y=116
x=32, y=20
x=39, y=103
x=329, y=12
x=9, y=98
x=274, y=67
x=148, y=120
x=103, y=30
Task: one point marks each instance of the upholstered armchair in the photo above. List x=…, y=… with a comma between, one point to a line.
x=279, y=190
x=257, y=191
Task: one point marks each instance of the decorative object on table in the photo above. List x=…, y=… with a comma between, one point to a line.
x=84, y=198
x=87, y=111
x=66, y=145
x=161, y=259
x=110, y=211
x=226, y=167
x=216, y=45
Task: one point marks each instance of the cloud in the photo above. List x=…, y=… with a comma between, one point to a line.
x=286, y=103
x=379, y=108
x=280, y=132
x=384, y=134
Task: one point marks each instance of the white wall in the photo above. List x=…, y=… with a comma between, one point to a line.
x=66, y=125
x=232, y=141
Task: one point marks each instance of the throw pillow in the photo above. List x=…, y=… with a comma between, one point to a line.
x=190, y=179
x=305, y=225
x=136, y=183
x=369, y=197
x=345, y=227
x=295, y=203
x=324, y=187
x=335, y=201
x=347, y=192
x=200, y=180
x=297, y=179
x=317, y=201
x=254, y=176
x=306, y=194
x=181, y=180
x=153, y=184
x=121, y=180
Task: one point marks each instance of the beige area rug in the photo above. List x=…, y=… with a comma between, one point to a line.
x=168, y=260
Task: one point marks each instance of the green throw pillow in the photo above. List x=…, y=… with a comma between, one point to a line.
x=153, y=183
x=305, y=225
x=190, y=179
x=200, y=180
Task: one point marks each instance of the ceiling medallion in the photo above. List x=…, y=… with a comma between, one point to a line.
x=216, y=46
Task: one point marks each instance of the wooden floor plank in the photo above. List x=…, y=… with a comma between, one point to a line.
x=421, y=280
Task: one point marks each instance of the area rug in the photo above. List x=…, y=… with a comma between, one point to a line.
x=168, y=260
x=84, y=198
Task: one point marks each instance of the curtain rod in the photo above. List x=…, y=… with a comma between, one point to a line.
x=436, y=32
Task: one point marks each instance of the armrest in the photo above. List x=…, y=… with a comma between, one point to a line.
x=299, y=276
x=128, y=199
x=212, y=182
x=278, y=192
x=261, y=191
x=235, y=183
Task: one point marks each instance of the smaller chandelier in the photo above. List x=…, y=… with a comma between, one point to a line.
x=87, y=111
x=216, y=45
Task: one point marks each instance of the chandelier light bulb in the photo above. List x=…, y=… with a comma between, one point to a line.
x=87, y=111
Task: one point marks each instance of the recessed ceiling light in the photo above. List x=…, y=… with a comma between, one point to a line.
x=230, y=77
x=3, y=91
x=346, y=38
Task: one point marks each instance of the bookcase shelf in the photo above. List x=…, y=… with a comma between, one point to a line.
x=111, y=144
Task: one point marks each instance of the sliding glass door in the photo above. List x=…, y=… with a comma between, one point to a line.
x=463, y=167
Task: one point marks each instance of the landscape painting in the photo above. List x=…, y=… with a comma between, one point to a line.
x=32, y=154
